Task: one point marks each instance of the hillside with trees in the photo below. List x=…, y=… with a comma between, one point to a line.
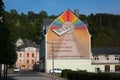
x=104, y=28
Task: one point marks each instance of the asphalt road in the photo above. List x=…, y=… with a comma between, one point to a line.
x=28, y=78
x=27, y=75
x=31, y=75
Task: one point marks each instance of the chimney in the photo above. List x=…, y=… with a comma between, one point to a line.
x=76, y=12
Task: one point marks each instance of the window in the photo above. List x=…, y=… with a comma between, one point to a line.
x=116, y=58
x=117, y=67
x=107, y=68
x=20, y=60
x=32, y=54
x=96, y=58
x=97, y=69
x=106, y=57
x=20, y=55
x=27, y=54
x=27, y=61
x=32, y=61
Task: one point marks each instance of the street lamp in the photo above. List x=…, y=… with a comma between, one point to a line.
x=52, y=54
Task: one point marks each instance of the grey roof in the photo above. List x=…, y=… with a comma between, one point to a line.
x=32, y=44
x=106, y=50
x=27, y=43
x=47, y=21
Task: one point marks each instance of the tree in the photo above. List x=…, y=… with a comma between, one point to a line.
x=31, y=16
x=7, y=50
x=1, y=6
x=14, y=15
x=43, y=14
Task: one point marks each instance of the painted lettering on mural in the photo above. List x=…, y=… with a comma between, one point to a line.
x=62, y=46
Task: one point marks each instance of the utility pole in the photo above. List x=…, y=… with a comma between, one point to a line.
x=52, y=54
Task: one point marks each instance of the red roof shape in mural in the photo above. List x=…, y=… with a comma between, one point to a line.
x=67, y=16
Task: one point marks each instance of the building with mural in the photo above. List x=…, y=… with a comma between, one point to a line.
x=67, y=41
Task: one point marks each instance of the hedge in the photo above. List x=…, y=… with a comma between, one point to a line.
x=83, y=75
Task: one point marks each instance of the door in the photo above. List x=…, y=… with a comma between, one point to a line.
x=107, y=68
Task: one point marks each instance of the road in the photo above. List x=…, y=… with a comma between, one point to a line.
x=31, y=75
x=27, y=75
x=29, y=78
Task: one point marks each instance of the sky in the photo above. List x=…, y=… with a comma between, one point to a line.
x=55, y=7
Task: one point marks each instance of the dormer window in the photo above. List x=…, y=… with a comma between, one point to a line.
x=106, y=57
x=116, y=57
x=96, y=58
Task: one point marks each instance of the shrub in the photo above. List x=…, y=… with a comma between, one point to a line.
x=65, y=72
x=83, y=75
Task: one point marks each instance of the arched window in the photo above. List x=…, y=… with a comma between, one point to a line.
x=32, y=61
x=27, y=54
x=20, y=55
x=32, y=54
x=107, y=68
x=117, y=67
x=27, y=61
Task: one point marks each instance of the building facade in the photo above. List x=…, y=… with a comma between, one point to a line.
x=106, y=59
x=66, y=44
x=28, y=53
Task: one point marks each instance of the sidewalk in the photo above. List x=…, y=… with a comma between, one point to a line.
x=52, y=76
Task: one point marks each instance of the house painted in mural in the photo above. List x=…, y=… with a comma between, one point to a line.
x=28, y=53
x=66, y=44
x=68, y=41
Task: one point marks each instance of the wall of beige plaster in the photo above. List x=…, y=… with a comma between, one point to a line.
x=78, y=64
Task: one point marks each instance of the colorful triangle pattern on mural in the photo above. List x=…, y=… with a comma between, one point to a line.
x=68, y=16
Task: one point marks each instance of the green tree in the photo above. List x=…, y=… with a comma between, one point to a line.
x=7, y=50
x=1, y=6
x=43, y=14
x=31, y=16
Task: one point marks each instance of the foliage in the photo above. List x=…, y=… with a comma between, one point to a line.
x=82, y=75
x=4, y=33
x=8, y=55
x=104, y=28
x=7, y=50
x=1, y=5
x=65, y=72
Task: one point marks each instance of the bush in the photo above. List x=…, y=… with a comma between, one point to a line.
x=65, y=72
x=83, y=75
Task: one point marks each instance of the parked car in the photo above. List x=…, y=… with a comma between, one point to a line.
x=56, y=70
x=17, y=69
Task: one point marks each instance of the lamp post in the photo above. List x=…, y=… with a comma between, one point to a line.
x=52, y=54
